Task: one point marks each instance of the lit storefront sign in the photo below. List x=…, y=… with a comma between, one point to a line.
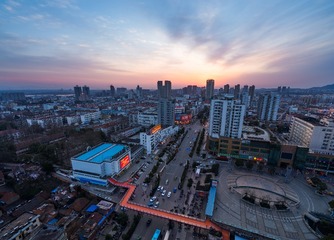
x=124, y=162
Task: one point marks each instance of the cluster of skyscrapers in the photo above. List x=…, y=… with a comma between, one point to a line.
x=81, y=93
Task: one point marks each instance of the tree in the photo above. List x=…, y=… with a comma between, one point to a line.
x=249, y=165
x=47, y=167
x=108, y=237
x=331, y=204
x=122, y=218
x=215, y=169
x=190, y=182
x=239, y=162
x=322, y=186
x=260, y=166
x=329, y=237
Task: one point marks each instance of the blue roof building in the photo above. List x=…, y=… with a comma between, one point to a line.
x=97, y=164
x=211, y=199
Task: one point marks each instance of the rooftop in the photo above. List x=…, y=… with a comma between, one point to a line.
x=211, y=201
x=311, y=120
x=101, y=153
x=12, y=228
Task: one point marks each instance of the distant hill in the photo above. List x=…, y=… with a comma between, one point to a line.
x=325, y=88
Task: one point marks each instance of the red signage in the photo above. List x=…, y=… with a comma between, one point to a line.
x=124, y=162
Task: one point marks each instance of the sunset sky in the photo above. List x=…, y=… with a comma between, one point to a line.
x=61, y=43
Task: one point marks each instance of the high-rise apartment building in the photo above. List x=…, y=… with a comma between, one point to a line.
x=77, y=92
x=251, y=93
x=166, y=112
x=166, y=107
x=86, y=91
x=226, y=88
x=279, y=89
x=226, y=118
x=210, y=87
x=237, y=91
x=121, y=91
x=139, y=91
x=164, y=91
x=244, y=97
x=245, y=89
x=190, y=90
x=268, y=106
x=112, y=91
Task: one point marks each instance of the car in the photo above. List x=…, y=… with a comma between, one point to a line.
x=163, y=193
x=148, y=222
x=162, y=189
x=174, y=190
x=156, y=204
x=169, y=194
x=150, y=204
x=152, y=199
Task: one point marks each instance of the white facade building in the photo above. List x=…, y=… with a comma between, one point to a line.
x=300, y=131
x=309, y=132
x=46, y=121
x=226, y=118
x=90, y=116
x=150, y=140
x=73, y=119
x=268, y=106
x=96, y=165
x=147, y=119
x=22, y=227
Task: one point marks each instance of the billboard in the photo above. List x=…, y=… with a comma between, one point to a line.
x=182, y=118
x=124, y=162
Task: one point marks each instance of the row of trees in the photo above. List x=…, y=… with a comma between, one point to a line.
x=132, y=228
x=184, y=174
x=156, y=185
x=151, y=174
x=200, y=142
x=194, y=146
x=202, y=115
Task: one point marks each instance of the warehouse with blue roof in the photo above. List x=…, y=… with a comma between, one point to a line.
x=97, y=164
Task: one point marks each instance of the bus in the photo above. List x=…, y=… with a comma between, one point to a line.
x=156, y=234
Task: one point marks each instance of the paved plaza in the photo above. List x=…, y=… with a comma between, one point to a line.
x=289, y=224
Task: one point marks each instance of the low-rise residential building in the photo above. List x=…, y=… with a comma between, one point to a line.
x=147, y=118
x=20, y=228
x=46, y=121
x=152, y=138
x=90, y=116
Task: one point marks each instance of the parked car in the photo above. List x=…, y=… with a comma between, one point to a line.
x=169, y=194
x=148, y=222
x=152, y=199
x=163, y=193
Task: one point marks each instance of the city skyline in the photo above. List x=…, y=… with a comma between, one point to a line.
x=60, y=44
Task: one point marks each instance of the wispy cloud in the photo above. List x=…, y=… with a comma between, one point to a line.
x=256, y=41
